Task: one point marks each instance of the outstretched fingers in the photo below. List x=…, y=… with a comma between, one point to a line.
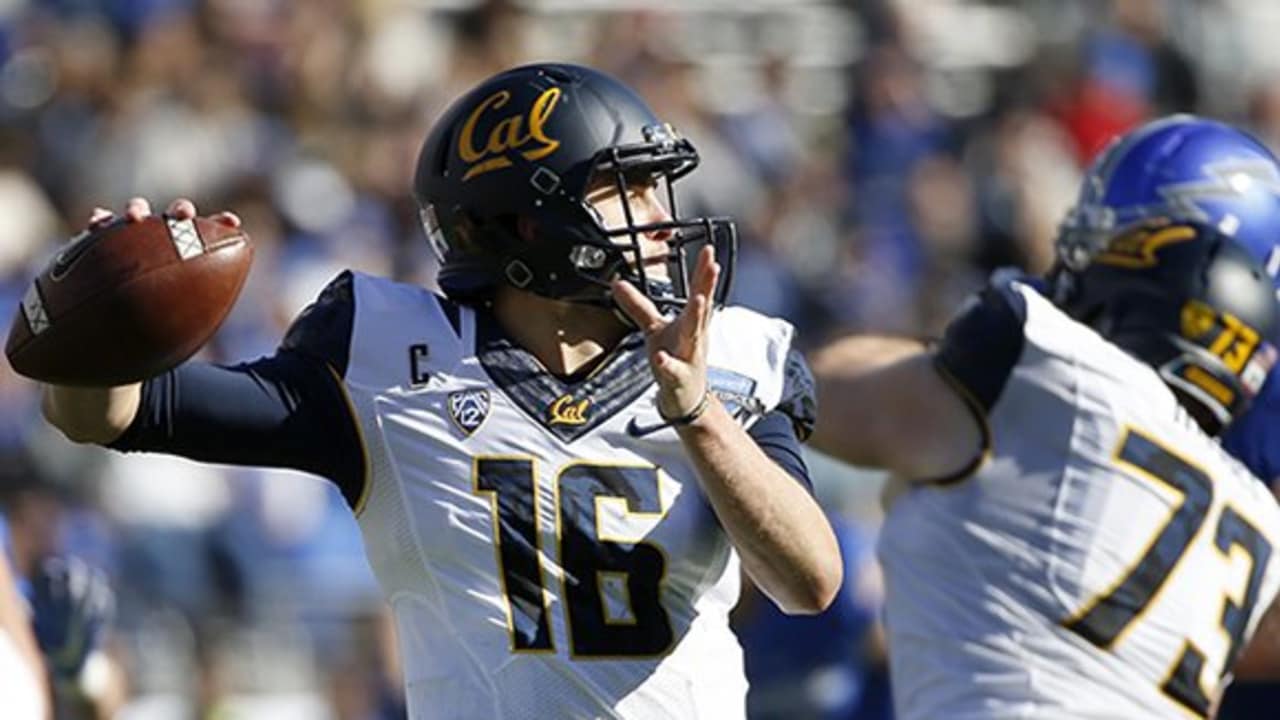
x=228, y=218
x=693, y=320
x=100, y=216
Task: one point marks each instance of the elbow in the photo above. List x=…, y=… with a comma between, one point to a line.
x=85, y=434
x=810, y=601
x=77, y=428
x=817, y=592
x=823, y=590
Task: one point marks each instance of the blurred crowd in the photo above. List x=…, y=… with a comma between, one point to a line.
x=881, y=158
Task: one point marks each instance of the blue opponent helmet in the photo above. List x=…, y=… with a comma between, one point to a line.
x=1185, y=167
x=1181, y=168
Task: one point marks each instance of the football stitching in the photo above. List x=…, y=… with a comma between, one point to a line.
x=33, y=310
x=185, y=238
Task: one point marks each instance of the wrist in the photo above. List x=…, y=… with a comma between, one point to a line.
x=688, y=417
x=691, y=415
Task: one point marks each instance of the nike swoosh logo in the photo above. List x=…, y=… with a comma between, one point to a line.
x=635, y=429
x=75, y=248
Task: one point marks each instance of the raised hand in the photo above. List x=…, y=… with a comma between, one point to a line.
x=677, y=346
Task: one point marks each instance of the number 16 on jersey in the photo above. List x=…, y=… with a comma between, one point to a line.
x=612, y=588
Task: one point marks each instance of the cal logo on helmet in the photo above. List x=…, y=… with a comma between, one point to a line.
x=523, y=131
x=468, y=409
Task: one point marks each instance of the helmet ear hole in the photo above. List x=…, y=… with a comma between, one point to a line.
x=526, y=229
x=519, y=274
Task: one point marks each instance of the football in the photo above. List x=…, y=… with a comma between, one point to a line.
x=128, y=300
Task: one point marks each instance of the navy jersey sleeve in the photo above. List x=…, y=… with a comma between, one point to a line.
x=323, y=330
x=799, y=400
x=775, y=433
x=288, y=410
x=780, y=432
x=983, y=343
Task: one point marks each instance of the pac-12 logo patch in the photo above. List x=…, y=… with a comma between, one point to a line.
x=468, y=409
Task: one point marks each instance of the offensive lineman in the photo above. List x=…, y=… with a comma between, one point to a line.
x=1069, y=539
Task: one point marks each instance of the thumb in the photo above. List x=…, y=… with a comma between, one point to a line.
x=670, y=368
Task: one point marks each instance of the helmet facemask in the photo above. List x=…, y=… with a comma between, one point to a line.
x=573, y=255
x=619, y=250
x=1189, y=302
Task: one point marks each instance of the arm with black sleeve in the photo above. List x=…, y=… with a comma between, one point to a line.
x=288, y=410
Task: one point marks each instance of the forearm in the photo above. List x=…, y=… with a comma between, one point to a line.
x=91, y=415
x=785, y=542
x=887, y=403
x=851, y=381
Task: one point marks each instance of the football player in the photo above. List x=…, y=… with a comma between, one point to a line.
x=1194, y=168
x=559, y=466
x=1067, y=538
x=1186, y=167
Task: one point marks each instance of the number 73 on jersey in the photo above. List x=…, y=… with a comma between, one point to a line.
x=1108, y=617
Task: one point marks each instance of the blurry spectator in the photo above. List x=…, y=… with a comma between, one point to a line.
x=1130, y=70
x=1170, y=83
x=766, y=133
x=72, y=606
x=1026, y=180
x=1264, y=113
x=892, y=129
x=23, y=684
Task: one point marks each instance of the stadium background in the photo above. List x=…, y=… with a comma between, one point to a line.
x=880, y=157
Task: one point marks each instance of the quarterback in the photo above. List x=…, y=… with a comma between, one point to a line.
x=558, y=466
x=1069, y=538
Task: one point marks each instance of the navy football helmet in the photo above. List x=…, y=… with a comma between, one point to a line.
x=502, y=180
x=1187, y=300
x=1181, y=167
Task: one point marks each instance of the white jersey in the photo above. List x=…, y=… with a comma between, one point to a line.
x=1105, y=560
x=544, y=545
x=23, y=692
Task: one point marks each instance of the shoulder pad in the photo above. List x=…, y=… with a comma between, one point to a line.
x=402, y=333
x=984, y=340
x=323, y=329
x=799, y=397
x=750, y=361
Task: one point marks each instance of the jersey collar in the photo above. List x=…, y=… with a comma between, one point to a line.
x=567, y=407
